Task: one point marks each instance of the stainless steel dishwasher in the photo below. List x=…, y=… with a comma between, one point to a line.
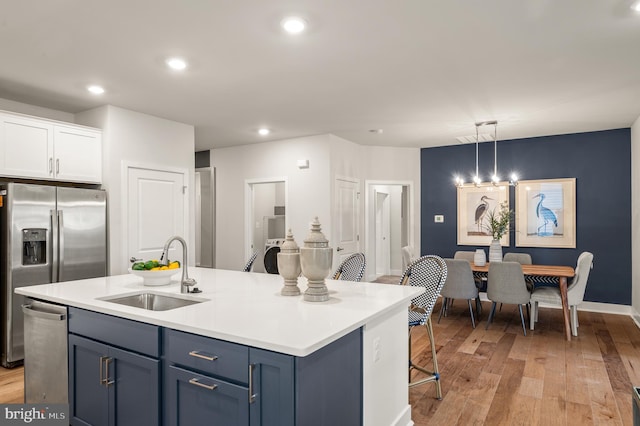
x=45, y=350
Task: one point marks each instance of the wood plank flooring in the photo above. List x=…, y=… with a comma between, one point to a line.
x=12, y=385
x=501, y=377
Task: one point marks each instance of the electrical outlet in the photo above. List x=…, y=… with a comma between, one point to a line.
x=439, y=218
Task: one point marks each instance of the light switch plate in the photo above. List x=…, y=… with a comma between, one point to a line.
x=439, y=218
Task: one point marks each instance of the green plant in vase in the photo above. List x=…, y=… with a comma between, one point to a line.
x=497, y=225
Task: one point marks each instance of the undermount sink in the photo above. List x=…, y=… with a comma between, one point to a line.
x=153, y=301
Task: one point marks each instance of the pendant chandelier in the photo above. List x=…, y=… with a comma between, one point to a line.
x=495, y=179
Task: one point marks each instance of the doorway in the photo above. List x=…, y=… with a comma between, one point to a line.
x=205, y=217
x=265, y=221
x=388, y=225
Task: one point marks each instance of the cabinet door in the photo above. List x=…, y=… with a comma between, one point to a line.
x=273, y=388
x=134, y=398
x=78, y=154
x=26, y=147
x=88, y=395
x=196, y=399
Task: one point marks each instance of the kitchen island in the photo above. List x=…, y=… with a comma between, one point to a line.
x=314, y=346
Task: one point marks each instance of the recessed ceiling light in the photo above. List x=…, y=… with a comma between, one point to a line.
x=635, y=6
x=264, y=131
x=176, y=64
x=378, y=131
x=294, y=25
x=96, y=90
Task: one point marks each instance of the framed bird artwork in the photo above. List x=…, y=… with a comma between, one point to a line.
x=546, y=213
x=475, y=205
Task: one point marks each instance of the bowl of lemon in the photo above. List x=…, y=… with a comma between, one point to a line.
x=153, y=273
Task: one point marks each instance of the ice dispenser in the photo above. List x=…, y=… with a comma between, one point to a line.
x=34, y=246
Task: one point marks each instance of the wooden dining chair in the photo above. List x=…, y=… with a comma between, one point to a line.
x=430, y=272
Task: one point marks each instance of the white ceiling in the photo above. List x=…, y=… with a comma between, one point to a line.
x=423, y=71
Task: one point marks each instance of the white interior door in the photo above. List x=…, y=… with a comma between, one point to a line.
x=156, y=211
x=346, y=230
x=383, y=239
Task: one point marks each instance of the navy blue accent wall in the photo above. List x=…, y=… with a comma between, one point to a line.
x=601, y=164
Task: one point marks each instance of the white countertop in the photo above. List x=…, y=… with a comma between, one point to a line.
x=242, y=307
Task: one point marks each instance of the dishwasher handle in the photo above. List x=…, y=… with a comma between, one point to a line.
x=28, y=310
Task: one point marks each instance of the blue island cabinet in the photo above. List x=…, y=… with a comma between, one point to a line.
x=209, y=381
x=109, y=385
x=122, y=372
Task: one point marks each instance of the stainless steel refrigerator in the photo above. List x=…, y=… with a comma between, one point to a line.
x=47, y=234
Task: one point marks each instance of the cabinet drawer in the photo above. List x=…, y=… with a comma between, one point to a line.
x=212, y=356
x=132, y=335
x=196, y=399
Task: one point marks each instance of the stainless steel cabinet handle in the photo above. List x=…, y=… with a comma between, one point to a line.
x=57, y=165
x=252, y=396
x=196, y=382
x=50, y=165
x=102, y=379
x=133, y=259
x=104, y=371
x=339, y=249
x=199, y=355
x=60, y=244
x=107, y=382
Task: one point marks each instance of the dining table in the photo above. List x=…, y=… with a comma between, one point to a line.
x=544, y=272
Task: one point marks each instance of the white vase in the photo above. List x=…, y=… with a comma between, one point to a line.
x=495, y=251
x=480, y=258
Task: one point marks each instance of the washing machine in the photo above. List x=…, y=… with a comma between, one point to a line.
x=271, y=250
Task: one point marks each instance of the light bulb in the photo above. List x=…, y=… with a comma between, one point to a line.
x=294, y=25
x=96, y=90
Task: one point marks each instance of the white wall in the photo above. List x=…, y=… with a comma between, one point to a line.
x=52, y=114
x=310, y=192
x=307, y=194
x=141, y=139
x=635, y=219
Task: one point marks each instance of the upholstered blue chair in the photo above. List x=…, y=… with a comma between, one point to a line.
x=429, y=272
x=351, y=269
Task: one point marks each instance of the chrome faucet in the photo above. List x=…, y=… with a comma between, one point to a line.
x=185, y=281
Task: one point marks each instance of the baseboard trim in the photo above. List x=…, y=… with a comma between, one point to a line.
x=404, y=418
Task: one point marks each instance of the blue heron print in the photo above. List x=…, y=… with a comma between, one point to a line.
x=546, y=215
x=481, y=211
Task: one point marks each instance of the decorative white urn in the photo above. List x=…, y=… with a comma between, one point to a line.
x=480, y=257
x=289, y=265
x=495, y=251
x=316, y=258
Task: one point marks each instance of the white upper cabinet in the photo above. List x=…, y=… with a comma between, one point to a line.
x=41, y=149
x=78, y=154
x=26, y=147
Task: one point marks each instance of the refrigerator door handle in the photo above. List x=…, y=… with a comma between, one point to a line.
x=53, y=245
x=60, y=245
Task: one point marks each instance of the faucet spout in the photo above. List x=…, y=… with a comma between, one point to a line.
x=185, y=281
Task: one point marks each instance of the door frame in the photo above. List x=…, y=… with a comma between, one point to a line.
x=248, y=208
x=384, y=210
x=198, y=209
x=369, y=219
x=336, y=213
x=124, y=212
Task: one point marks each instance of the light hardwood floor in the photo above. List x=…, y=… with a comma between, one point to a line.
x=500, y=377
